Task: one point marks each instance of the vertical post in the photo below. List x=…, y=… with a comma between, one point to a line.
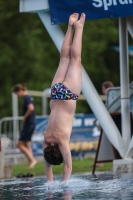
x=1, y=160
x=15, y=114
x=0, y=137
x=45, y=94
x=0, y=145
x=44, y=105
x=124, y=81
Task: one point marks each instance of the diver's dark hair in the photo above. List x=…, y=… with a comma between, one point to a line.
x=53, y=155
x=19, y=86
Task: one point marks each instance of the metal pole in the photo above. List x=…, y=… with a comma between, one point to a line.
x=124, y=81
x=15, y=122
x=0, y=145
x=45, y=95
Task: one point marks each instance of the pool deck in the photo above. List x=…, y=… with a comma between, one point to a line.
x=55, y=175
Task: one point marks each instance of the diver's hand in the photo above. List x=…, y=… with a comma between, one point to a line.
x=51, y=185
x=64, y=184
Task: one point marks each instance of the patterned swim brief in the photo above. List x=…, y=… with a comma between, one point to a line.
x=60, y=92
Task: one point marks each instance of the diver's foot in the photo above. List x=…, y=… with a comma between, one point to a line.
x=72, y=19
x=32, y=164
x=81, y=21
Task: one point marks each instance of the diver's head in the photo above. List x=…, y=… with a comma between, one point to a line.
x=53, y=155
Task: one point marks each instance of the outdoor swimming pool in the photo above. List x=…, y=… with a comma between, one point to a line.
x=81, y=187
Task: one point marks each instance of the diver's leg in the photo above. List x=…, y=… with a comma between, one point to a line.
x=65, y=51
x=73, y=79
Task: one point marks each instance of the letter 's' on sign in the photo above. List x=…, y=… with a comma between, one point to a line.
x=94, y=9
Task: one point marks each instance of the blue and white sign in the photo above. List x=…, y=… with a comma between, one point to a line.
x=94, y=9
x=84, y=129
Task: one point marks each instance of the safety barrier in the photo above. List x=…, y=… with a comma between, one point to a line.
x=9, y=131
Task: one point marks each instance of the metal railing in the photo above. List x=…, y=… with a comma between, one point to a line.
x=10, y=128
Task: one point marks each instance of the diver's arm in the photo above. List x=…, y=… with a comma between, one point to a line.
x=67, y=159
x=48, y=171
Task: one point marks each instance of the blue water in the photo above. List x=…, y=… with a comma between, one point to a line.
x=81, y=187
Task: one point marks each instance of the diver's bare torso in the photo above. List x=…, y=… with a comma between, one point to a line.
x=60, y=121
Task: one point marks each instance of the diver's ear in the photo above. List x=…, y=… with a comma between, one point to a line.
x=44, y=144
